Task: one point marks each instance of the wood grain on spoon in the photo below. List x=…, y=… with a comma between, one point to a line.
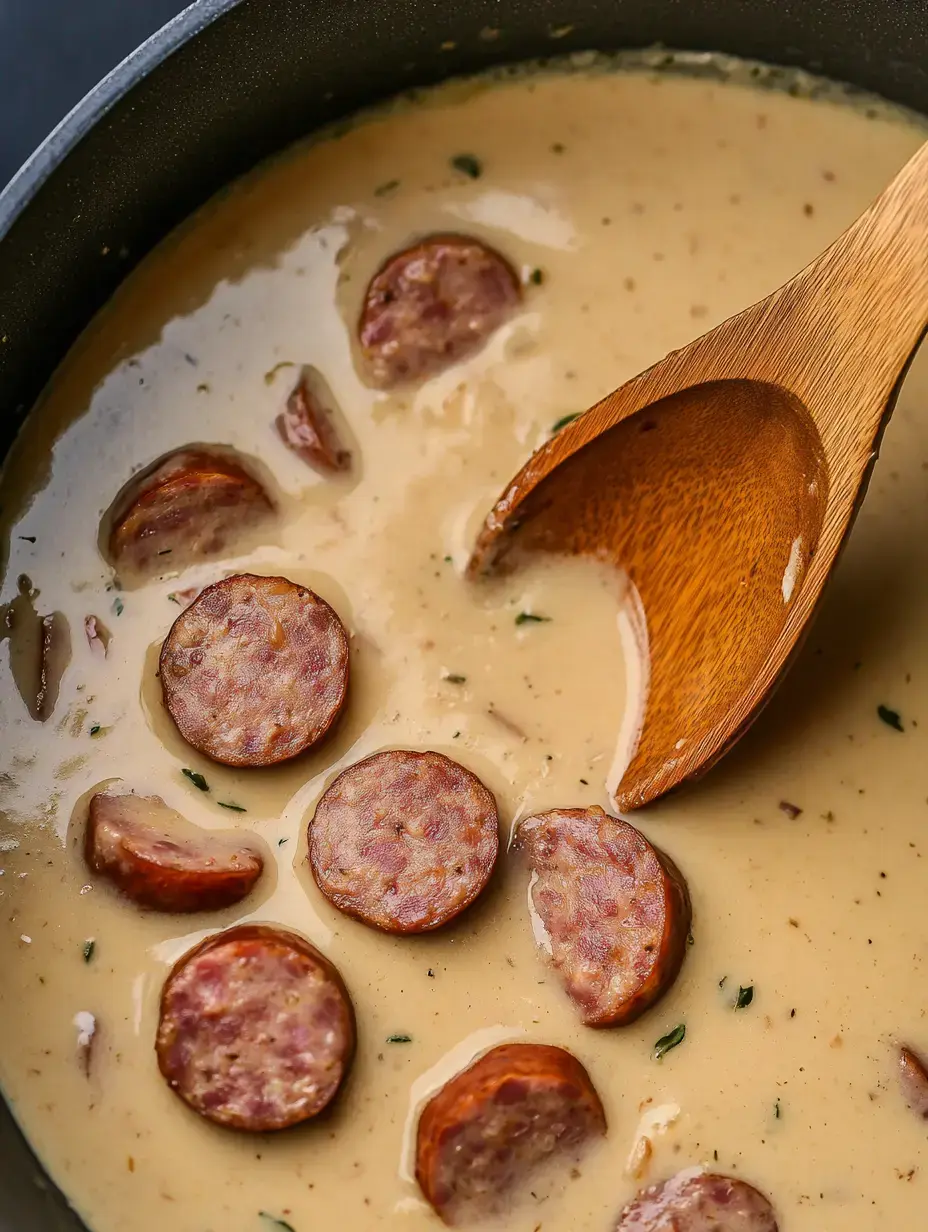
x=725, y=479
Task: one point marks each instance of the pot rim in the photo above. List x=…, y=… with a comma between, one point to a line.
x=110, y=90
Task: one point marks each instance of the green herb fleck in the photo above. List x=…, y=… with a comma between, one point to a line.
x=454, y=678
x=196, y=779
x=281, y=841
x=399, y=1039
x=670, y=1040
x=278, y=1223
x=745, y=997
x=564, y=421
x=173, y=598
x=890, y=717
x=467, y=164
x=529, y=618
x=448, y=560
x=271, y=373
x=235, y=808
x=690, y=939
x=776, y=1110
x=95, y=729
x=89, y=947
x=118, y=606
x=537, y=277
x=382, y=189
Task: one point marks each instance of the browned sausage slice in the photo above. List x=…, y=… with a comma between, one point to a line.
x=914, y=1081
x=615, y=911
x=257, y=1030
x=160, y=860
x=255, y=670
x=306, y=425
x=404, y=841
x=481, y=1137
x=699, y=1202
x=433, y=304
x=189, y=505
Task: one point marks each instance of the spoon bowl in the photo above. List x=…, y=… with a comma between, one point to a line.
x=724, y=480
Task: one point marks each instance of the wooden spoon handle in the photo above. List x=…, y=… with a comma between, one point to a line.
x=859, y=311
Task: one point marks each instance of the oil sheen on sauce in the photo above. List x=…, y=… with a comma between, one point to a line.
x=653, y=207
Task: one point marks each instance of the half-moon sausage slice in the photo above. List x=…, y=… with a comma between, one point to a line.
x=306, y=426
x=162, y=861
x=433, y=304
x=255, y=670
x=189, y=505
x=914, y=1081
x=484, y=1134
x=257, y=1030
x=404, y=841
x=615, y=911
x=699, y=1202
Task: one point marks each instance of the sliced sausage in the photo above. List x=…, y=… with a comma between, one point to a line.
x=306, y=425
x=699, y=1202
x=404, y=841
x=484, y=1134
x=255, y=670
x=615, y=911
x=189, y=505
x=257, y=1030
x=162, y=861
x=40, y=650
x=433, y=304
x=914, y=1081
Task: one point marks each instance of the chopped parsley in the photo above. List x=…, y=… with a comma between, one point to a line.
x=564, y=421
x=196, y=779
x=173, y=598
x=235, y=808
x=537, y=277
x=399, y=1039
x=745, y=997
x=890, y=717
x=530, y=618
x=454, y=678
x=95, y=729
x=281, y=841
x=278, y=1223
x=468, y=165
x=89, y=947
x=118, y=606
x=670, y=1040
x=776, y=1110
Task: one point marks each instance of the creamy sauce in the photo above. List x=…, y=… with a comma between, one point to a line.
x=654, y=207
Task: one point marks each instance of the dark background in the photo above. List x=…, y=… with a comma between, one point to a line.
x=52, y=52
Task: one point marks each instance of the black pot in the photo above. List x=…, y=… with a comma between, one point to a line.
x=232, y=81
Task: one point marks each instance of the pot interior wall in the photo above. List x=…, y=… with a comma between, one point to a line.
x=188, y=114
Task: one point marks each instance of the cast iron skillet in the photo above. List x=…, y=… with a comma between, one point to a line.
x=229, y=82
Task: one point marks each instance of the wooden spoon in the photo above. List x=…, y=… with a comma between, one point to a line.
x=725, y=479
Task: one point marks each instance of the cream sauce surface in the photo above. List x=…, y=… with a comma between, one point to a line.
x=654, y=206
